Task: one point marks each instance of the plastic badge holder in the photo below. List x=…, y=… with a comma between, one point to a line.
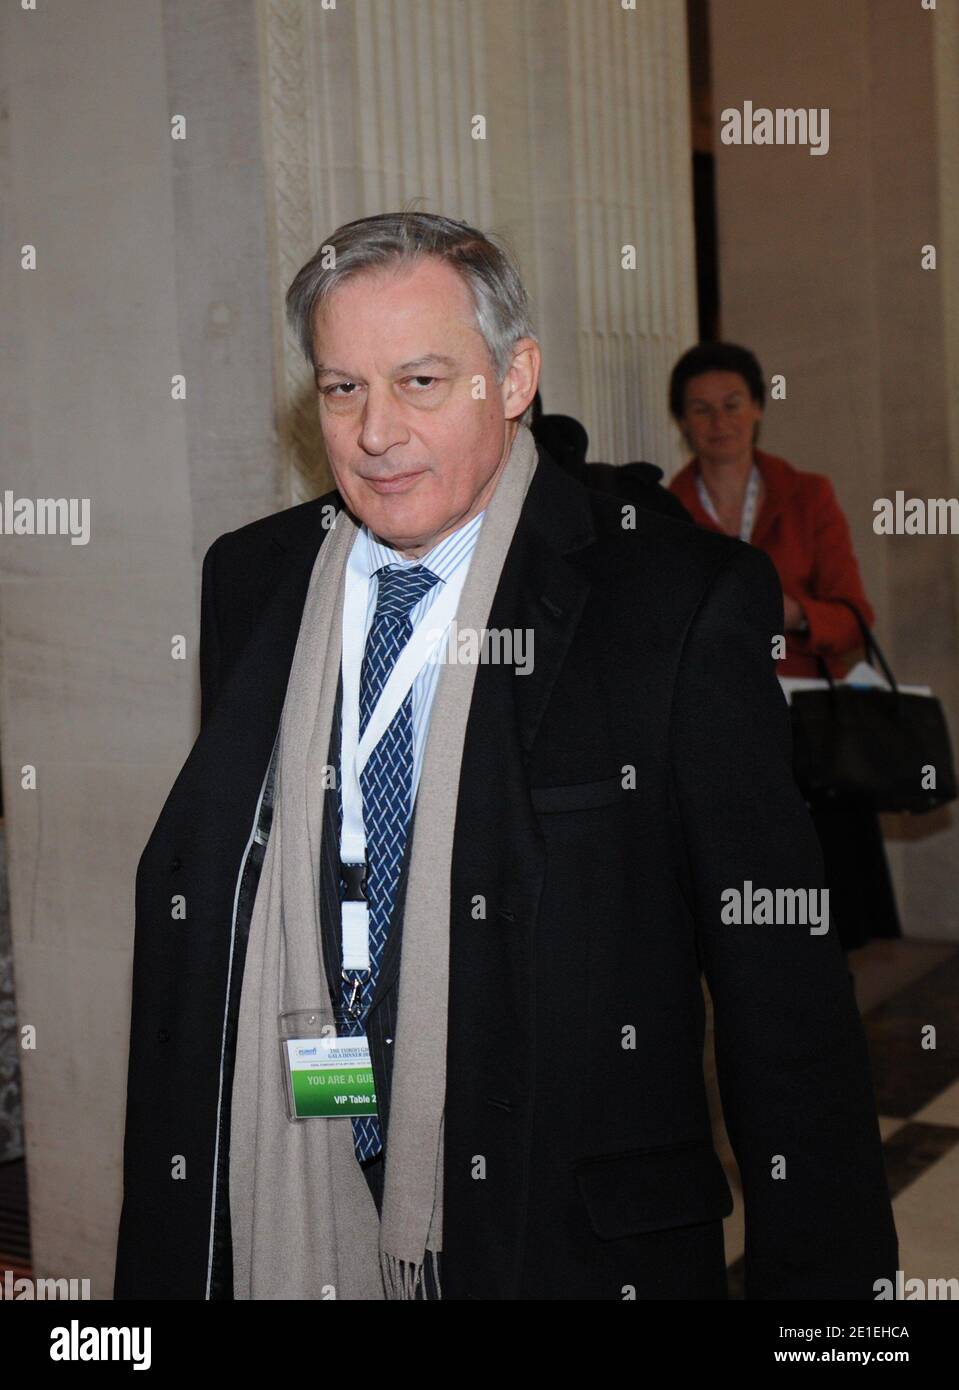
x=326, y=1066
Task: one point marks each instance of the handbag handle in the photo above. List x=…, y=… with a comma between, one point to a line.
x=872, y=649
x=872, y=646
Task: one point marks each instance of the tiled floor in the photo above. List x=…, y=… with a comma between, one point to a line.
x=903, y=988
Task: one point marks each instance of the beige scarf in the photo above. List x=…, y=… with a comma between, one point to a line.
x=304, y=1221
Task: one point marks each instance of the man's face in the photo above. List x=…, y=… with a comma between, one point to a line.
x=720, y=416
x=398, y=354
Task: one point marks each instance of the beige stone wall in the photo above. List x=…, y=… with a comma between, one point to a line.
x=158, y=257
x=151, y=261
x=820, y=275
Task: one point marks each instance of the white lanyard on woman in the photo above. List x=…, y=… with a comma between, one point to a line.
x=749, y=502
x=354, y=751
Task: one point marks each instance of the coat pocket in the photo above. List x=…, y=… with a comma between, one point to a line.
x=580, y=796
x=653, y=1189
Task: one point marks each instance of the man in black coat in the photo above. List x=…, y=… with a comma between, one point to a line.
x=622, y=808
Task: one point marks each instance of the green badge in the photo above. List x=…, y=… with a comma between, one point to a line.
x=327, y=1077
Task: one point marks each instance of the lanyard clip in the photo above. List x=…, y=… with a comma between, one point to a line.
x=355, y=1005
x=353, y=876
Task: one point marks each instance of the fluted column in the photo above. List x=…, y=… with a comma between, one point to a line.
x=584, y=150
x=632, y=188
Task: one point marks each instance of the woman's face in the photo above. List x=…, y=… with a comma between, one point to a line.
x=720, y=417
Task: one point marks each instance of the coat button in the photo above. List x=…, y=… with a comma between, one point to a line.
x=175, y=864
x=162, y=1035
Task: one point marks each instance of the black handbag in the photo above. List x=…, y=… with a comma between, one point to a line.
x=871, y=743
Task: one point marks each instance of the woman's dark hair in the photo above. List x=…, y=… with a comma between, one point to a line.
x=714, y=357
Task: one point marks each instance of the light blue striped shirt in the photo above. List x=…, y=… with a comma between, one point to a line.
x=454, y=551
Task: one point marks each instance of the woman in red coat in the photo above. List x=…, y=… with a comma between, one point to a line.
x=716, y=396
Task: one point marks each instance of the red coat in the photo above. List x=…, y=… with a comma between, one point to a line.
x=803, y=530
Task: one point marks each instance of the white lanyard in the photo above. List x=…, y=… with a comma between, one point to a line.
x=749, y=502
x=354, y=751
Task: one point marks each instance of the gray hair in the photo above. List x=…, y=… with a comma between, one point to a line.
x=395, y=238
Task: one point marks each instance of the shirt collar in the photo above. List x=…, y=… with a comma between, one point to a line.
x=445, y=557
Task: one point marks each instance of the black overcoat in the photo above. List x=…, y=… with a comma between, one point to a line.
x=607, y=801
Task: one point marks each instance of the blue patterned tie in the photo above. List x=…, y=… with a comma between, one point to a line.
x=386, y=783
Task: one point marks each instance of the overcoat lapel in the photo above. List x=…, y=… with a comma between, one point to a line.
x=240, y=730
x=497, y=876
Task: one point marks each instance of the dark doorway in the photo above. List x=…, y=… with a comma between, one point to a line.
x=704, y=173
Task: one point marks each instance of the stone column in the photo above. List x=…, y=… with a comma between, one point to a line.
x=151, y=263
x=585, y=150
